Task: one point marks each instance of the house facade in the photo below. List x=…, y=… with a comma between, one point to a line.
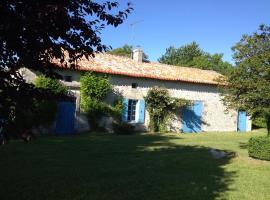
x=132, y=78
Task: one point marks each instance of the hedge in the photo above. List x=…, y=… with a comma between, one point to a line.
x=259, y=147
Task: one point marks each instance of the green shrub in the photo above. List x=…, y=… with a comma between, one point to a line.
x=51, y=84
x=95, y=111
x=259, y=147
x=45, y=110
x=123, y=128
x=94, y=88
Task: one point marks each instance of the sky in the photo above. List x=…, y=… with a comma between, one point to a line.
x=216, y=25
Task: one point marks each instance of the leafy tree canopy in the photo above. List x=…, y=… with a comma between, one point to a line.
x=191, y=55
x=126, y=51
x=248, y=86
x=34, y=32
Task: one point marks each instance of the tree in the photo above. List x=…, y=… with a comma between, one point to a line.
x=212, y=62
x=32, y=33
x=182, y=56
x=191, y=55
x=126, y=51
x=248, y=86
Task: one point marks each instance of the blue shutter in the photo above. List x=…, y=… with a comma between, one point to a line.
x=192, y=118
x=140, y=110
x=65, y=118
x=242, y=121
x=125, y=110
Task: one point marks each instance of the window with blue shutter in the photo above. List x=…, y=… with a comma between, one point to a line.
x=125, y=110
x=133, y=110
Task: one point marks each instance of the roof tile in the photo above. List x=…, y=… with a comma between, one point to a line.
x=112, y=64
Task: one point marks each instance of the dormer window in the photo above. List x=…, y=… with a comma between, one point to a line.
x=68, y=78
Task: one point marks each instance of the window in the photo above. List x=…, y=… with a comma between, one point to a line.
x=68, y=78
x=131, y=109
x=134, y=85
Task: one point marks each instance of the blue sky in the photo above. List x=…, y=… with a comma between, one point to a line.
x=215, y=24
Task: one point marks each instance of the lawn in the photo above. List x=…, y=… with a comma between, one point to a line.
x=170, y=166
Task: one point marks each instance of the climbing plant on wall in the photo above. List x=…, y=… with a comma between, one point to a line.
x=161, y=107
x=94, y=89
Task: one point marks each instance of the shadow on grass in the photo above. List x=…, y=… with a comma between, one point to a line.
x=243, y=145
x=112, y=167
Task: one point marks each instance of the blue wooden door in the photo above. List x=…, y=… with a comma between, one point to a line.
x=192, y=118
x=65, y=118
x=242, y=121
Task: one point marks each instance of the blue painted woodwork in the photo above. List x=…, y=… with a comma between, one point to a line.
x=65, y=118
x=140, y=111
x=242, y=121
x=125, y=110
x=192, y=118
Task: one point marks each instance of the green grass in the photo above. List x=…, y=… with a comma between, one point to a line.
x=171, y=166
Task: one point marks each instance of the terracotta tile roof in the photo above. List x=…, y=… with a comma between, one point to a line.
x=111, y=64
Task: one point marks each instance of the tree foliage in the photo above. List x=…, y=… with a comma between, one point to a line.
x=50, y=84
x=160, y=107
x=93, y=88
x=126, y=51
x=42, y=111
x=248, y=86
x=191, y=55
x=182, y=56
x=32, y=33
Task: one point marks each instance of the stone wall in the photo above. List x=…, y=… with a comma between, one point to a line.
x=215, y=117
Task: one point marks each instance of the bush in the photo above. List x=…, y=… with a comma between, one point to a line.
x=93, y=88
x=45, y=110
x=95, y=111
x=259, y=147
x=50, y=84
x=123, y=128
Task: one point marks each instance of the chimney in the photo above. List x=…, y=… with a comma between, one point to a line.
x=138, y=54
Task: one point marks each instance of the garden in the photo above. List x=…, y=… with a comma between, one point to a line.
x=139, y=166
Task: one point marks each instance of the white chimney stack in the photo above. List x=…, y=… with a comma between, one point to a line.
x=138, y=54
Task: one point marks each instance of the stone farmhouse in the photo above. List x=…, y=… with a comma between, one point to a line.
x=132, y=78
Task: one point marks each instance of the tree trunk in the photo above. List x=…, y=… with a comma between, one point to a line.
x=268, y=125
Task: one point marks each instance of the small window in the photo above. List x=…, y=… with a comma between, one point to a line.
x=68, y=78
x=131, y=109
x=134, y=85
